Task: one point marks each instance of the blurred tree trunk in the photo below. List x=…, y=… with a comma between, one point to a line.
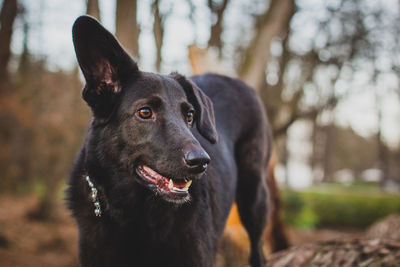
x=158, y=32
x=329, y=144
x=24, y=59
x=273, y=23
x=217, y=11
x=285, y=160
x=317, y=151
x=92, y=9
x=382, y=157
x=127, y=28
x=8, y=14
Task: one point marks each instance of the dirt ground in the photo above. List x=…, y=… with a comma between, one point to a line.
x=32, y=243
x=25, y=242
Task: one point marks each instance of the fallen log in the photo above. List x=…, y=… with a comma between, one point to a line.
x=388, y=228
x=341, y=252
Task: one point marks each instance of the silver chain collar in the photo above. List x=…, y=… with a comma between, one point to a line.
x=93, y=196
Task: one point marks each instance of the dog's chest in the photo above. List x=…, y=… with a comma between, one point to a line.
x=157, y=234
x=158, y=247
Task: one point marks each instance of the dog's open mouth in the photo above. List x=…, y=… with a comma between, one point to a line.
x=175, y=190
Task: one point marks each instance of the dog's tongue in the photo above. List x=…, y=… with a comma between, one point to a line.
x=153, y=173
x=167, y=183
x=180, y=184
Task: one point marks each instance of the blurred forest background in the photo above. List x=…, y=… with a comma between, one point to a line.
x=327, y=72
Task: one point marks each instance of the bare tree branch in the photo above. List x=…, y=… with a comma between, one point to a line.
x=92, y=9
x=312, y=113
x=273, y=23
x=217, y=10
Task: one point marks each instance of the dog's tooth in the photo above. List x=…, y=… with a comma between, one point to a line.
x=170, y=184
x=187, y=185
x=180, y=189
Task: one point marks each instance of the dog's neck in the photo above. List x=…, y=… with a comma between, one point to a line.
x=94, y=197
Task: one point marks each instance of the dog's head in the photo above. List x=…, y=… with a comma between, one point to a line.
x=143, y=123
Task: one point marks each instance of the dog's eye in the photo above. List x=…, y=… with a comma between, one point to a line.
x=190, y=117
x=145, y=113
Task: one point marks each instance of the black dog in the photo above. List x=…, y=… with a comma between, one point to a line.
x=163, y=161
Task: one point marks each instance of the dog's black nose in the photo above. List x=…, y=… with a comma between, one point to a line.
x=197, y=160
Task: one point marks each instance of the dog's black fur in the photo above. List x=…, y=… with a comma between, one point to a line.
x=140, y=225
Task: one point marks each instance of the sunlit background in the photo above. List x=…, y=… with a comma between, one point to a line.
x=326, y=71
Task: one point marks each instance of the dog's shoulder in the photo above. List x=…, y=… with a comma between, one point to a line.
x=232, y=98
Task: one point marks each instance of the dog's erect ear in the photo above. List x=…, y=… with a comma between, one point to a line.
x=204, y=116
x=104, y=64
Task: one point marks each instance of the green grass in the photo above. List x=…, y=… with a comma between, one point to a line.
x=334, y=205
